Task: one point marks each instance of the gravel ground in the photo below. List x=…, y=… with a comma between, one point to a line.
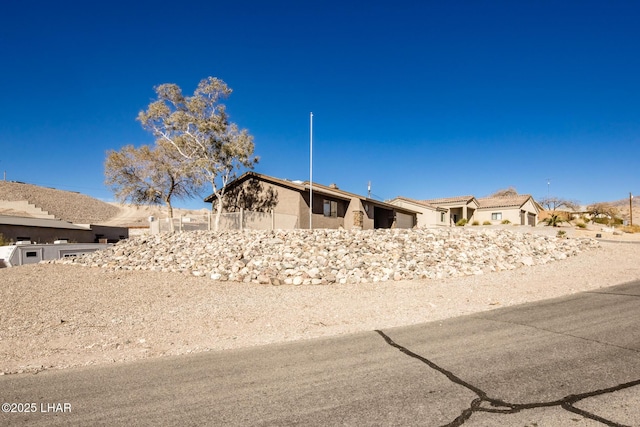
x=59, y=316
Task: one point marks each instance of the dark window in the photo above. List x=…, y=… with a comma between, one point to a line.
x=330, y=208
x=32, y=254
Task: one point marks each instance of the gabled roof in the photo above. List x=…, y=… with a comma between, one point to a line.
x=304, y=186
x=450, y=200
x=295, y=185
x=503, y=202
x=420, y=203
x=39, y=222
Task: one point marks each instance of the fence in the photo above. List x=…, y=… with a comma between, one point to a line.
x=243, y=220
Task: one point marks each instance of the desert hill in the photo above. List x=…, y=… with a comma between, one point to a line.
x=78, y=208
x=623, y=208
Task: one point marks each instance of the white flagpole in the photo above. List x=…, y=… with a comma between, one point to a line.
x=310, y=171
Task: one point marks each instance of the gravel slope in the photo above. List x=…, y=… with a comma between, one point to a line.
x=66, y=205
x=58, y=316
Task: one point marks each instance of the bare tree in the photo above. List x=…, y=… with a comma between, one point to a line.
x=149, y=175
x=599, y=210
x=198, y=128
x=555, y=203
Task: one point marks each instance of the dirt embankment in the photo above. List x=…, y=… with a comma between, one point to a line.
x=57, y=316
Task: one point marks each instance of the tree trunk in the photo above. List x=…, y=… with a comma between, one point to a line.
x=168, y=201
x=218, y=214
x=171, y=227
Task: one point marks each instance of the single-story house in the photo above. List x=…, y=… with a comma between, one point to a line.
x=458, y=208
x=518, y=209
x=429, y=214
x=332, y=207
x=42, y=230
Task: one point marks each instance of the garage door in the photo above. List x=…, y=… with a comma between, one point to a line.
x=404, y=220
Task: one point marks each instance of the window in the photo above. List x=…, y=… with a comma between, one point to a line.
x=441, y=216
x=330, y=208
x=496, y=216
x=32, y=254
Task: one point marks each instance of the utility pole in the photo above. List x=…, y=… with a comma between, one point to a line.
x=310, y=171
x=630, y=209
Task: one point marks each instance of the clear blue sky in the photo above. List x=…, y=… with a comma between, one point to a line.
x=425, y=99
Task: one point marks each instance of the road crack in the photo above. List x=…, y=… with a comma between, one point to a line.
x=485, y=403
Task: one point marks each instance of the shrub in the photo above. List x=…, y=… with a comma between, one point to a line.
x=581, y=225
x=462, y=222
x=561, y=233
x=505, y=221
x=486, y=223
x=631, y=229
x=554, y=220
x=608, y=221
x=475, y=223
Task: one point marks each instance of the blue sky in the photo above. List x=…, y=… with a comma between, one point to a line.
x=425, y=99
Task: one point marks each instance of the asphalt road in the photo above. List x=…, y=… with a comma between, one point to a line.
x=571, y=361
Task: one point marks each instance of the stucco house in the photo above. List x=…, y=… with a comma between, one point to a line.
x=332, y=207
x=518, y=209
x=430, y=215
x=460, y=207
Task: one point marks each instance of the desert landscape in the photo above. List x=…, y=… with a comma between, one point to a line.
x=58, y=315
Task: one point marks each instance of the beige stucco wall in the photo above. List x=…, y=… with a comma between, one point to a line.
x=426, y=217
x=289, y=202
x=508, y=213
x=530, y=207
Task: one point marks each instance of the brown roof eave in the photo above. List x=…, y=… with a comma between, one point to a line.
x=250, y=174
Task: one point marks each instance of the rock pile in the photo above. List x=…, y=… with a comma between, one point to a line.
x=334, y=256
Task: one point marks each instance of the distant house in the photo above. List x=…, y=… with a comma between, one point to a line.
x=458, y=208
x=42, y=230
x=518, y=209
x=429, y=214
x=521, y=209
x=332, y=207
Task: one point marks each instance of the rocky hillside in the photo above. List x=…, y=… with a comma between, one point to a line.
x=623, y=208
x=335, y=256
x=66, y=205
